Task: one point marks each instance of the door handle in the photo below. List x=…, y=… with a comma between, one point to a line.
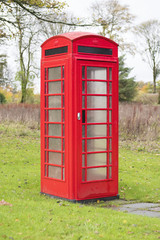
x=83, y=116
x=78, y=116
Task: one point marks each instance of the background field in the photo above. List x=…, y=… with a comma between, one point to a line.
x=26, y=214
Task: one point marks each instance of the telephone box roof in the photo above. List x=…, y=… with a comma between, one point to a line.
x=76, y=35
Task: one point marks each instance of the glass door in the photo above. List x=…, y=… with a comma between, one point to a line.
x=54, y=178
x=54, y=123
x=96, y=131
x=96, y=123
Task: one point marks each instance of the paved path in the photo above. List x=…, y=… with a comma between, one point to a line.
x=145, y=209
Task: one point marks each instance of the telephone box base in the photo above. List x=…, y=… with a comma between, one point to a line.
x=82, y=201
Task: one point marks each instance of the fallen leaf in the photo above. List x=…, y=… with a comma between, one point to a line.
x=5, y=203
x=130, y=232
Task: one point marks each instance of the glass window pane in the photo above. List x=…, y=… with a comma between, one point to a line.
x=96, y=159
x=110, y=172
x=63, y=144
x=96, y=174
x=83, y=145
x=110, y=88
x=110, y=102
x=83, y=101
x=54, y=101
x=63, y=101
x=63, y=173
x=94, y=145
x=83, y=175
x=96, y=116
x=110, y=116
x=54, y=144
x=96, y=87
x=62, y=86
x=54, y=158
x=96, y=131
x=54, y=73
x=96, y=102
x=110, y=73
x=54, y=115
x=54, y=130
x=110, y=130
x=110, y=144
x=63, y=159
x=83, y=86
x=54, y=87
x=83, y=160
x=110, y=158
x=83, y=131
x=63, y=130
x=45, y=88
x=97, y=73
x=63, y=116
x=83, y=72
x=63, y=72
x=54, y=172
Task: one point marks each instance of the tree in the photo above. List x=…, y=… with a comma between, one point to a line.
x=37, y=8
x=113, y=18
x=149, y=34
x=50, y=29
x=25, y=32
x=3, y=70
x=40, y=9
x=127, y=85
x=2, y=98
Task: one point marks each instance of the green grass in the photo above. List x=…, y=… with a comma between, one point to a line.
x=139, y=175
x=33, y=216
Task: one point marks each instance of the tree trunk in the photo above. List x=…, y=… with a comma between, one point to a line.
x=154, y=79
x=23, y=89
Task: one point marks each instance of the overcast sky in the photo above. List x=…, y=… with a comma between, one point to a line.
x=143, y=10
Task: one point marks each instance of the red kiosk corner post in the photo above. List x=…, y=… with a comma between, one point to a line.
x=79, y=117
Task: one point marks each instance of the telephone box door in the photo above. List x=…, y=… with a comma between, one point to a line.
x=54, y=177
x=97, y=129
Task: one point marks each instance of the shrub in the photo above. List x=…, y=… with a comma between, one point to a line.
x=2, y=98
x=147, y=98
x=127, y=85
x=138, y=121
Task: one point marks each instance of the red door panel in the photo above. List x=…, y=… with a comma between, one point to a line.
x=97, y=128
x=53, y=154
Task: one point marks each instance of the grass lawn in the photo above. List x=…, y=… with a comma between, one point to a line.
x=31, y=215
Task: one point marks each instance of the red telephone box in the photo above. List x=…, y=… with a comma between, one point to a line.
x=79, y=117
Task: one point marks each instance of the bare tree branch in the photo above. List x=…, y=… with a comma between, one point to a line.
x=8, y=21
x=39, y=16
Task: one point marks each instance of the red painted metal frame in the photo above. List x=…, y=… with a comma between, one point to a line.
x=72, y=187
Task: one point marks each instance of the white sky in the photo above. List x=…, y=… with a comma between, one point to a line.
x=143, y=10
